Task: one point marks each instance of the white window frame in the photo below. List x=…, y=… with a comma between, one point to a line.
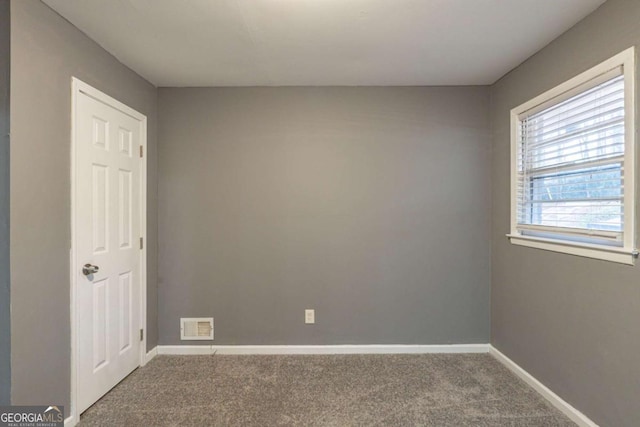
x=627, y=253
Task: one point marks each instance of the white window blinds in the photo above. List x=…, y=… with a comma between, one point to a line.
x=570, y=163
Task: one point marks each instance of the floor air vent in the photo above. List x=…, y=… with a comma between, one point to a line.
x=196, y=328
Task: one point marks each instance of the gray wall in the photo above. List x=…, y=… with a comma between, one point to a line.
x=572, y=322
x=370, y=205
x=46, y=52
x=5, y=315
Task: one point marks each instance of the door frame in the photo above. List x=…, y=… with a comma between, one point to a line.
x=78, y=87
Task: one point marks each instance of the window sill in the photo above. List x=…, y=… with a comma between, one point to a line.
x=613, y=254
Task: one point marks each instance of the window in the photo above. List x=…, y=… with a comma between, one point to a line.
x=572, y=165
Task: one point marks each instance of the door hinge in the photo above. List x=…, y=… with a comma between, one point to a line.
x=141, y=151
x=141, y=334
x=141, y=242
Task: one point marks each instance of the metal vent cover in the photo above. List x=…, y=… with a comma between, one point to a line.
x=196, y=328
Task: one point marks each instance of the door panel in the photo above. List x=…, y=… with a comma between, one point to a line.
x=107, y=221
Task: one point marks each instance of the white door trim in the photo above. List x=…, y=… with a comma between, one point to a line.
x=78, y=87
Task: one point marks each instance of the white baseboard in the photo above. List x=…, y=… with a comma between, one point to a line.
x=70, y=421
x=150, y=355
x=564, y=407
x=322, y=349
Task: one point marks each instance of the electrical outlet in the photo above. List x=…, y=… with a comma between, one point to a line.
x=309, y=315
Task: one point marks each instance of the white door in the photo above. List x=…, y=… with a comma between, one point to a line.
x=107, y=207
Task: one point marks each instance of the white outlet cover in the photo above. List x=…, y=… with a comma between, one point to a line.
x=309, y=316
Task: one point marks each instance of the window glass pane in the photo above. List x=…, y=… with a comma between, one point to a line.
x=586, y=199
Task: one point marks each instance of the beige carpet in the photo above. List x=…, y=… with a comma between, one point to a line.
x=346, y=390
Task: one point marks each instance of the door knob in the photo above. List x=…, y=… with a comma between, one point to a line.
x=90, y=269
